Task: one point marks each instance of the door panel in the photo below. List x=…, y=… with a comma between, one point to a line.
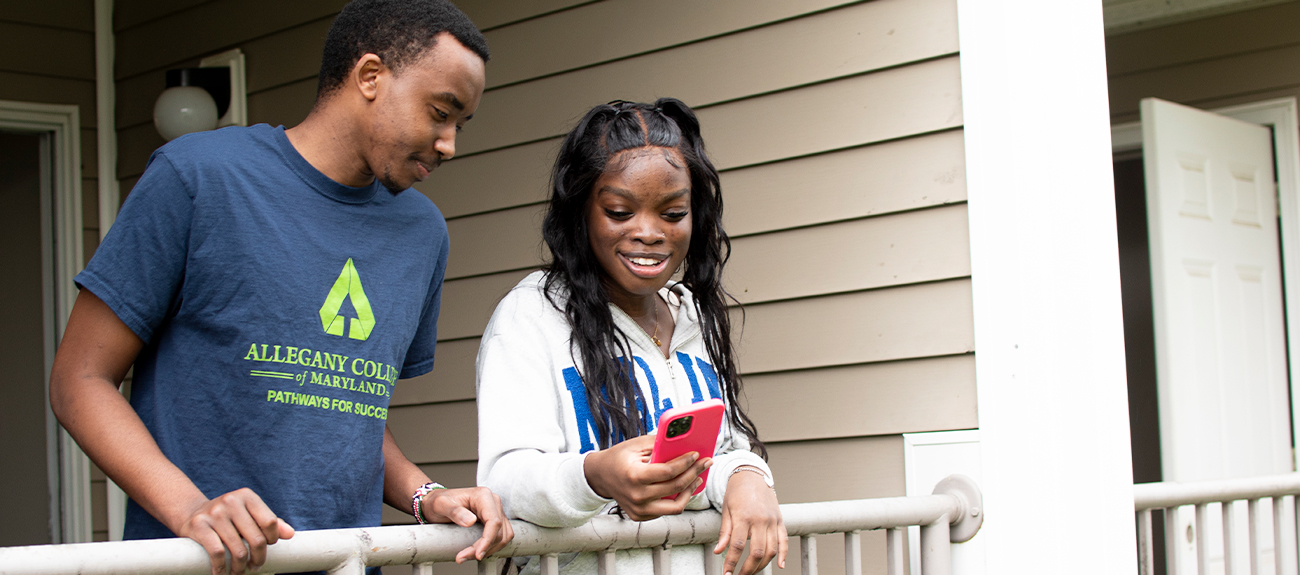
x=1217, y=304
x=1216, y=271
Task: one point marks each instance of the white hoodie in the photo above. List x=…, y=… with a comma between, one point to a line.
x=531, y=402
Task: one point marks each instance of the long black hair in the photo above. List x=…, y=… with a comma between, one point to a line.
x=601, y=349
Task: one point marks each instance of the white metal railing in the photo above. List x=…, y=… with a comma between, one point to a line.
x=1173, y=498
x=953, y=513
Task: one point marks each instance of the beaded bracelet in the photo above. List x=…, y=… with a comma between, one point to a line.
x=417, y=500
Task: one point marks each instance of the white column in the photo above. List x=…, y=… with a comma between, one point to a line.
x=1049, y=342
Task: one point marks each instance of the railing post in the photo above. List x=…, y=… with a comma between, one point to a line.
x=353, y=566
x=1202, y=553
x=1252, y=527
x=1281, y=551
x=1229, y=533
x=550, y=564
x=662, y=557
x=1171, y=540
x=712, y=562
x=895, y=552
x=936, y=548
x=427, y=569
x=607, y=563
x=488, y=566
x=808, y=554
x=1146, y=557
x=853, y=553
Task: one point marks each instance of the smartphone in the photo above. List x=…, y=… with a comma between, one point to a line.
x=690, y=428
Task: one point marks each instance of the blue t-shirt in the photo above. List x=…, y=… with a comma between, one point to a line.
x=278, y=309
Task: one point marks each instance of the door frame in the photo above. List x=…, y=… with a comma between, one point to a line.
x=1281, y=116
x=59, y=126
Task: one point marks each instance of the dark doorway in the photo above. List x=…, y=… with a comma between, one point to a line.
x=25, y=478
x=1139, y=331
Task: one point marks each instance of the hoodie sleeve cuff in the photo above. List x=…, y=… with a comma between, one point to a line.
x=575, y=490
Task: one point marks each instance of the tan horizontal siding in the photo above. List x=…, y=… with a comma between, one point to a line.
x=468, y=303
x=874, y=107
x=136, y=95
x=495, y=242
x=45, y=51
x=494, y=13
x=757, y=61
x=134, y=146
x=21, y=87
x=905, y=248
x=452, y=378
x=882, y=178
x=1208, y=38
x=829, y=469
x=285, y=105
x=879, y=325
x=879, y=179
x=484, y=182
x=436, y=433
x=133, y=13
x=881, y=106
x=89, y=200
x=1208, y=80
x=89, y=157
x=288, y=56
x=619, y=28
x=71, y=14
x=889, y=250
x=225, y=24
x=870, y=399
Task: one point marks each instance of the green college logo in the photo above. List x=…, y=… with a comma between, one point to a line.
x=347, y=286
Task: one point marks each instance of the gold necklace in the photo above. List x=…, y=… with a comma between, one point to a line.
x=655, y=336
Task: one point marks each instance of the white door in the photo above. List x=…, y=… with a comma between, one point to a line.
x=1217, y=294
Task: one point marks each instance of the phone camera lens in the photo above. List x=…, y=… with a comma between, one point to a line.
x=679, y=426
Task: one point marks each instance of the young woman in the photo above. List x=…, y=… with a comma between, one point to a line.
x=580, y=359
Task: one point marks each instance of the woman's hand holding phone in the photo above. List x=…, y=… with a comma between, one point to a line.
x=624, y=473
x=750, y=512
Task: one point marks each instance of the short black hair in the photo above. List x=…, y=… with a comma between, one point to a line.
x=398, y=31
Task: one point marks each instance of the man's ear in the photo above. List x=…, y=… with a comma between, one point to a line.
x=365, y=75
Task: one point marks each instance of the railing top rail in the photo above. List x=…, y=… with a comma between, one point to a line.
x=411, y=544
x=1174, y=494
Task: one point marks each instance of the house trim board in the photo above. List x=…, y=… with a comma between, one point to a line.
x=60, y=126
x=928, y=457
x=1050, y=377
x=1128, y=15
x=1281, y=115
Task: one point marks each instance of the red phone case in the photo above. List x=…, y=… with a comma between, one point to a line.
x=701, y=438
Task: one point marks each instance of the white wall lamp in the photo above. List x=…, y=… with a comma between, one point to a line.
x=203, y=98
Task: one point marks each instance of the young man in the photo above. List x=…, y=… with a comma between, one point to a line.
x=270, y=286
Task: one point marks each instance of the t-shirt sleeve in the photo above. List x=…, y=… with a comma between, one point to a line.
x=419, y=357
x=139, y=268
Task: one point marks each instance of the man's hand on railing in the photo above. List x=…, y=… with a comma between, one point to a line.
x=226, y=522
x=468, y=506
x=624, y=473
x=750, y=512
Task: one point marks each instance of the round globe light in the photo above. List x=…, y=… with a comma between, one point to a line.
x=184, y=109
